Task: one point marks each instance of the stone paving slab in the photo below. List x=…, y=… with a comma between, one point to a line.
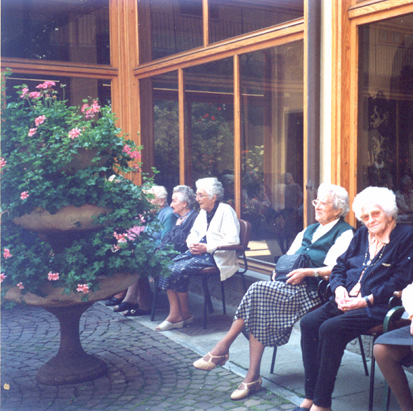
x=146, y=370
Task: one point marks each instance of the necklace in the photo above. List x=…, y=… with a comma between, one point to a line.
x=355, y=291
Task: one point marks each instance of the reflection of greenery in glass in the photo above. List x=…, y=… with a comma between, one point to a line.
x=213, y=143
x=166, y=130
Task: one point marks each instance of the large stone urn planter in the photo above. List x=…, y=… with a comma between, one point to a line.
x=71, y=364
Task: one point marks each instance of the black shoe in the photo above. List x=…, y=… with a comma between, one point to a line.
x=135, y=312
x=301, y=409
x=113, y=301
x=123, y=306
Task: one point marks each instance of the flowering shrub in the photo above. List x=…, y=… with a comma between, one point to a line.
x=41, y=139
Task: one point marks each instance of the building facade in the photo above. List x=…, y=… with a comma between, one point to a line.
x=270, y=96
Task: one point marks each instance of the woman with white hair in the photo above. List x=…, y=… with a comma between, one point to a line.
x=269, y=309
x=378, y=262
x=216, y=225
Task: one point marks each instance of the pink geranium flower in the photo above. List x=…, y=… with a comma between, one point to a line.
x=90, y=111
x=24, y=195
x=25, y=90
x=83, y=288
x=35, y=94
x=74, y=133
x=52, y=276
x=46, y=85
x=32, y=132
x=20, y=285
x=121, y=238
x=39, y=120
x=2, y=277
x=6, y=253
x=3, y=163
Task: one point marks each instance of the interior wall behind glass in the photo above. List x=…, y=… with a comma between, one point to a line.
x=210, y=123
x=385, y=131
x=68, y=30
x=166, y=130
x=272, y=147
x=230, y=18
x=176, y=25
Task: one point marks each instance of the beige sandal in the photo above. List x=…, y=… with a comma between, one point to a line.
x=209, y=365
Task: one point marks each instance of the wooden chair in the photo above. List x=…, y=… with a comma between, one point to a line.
x=206, y=273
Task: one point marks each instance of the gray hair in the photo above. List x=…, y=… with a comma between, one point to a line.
x=211, y=186
x=186, y=195
x=381, y=197
x=339, y=195
x=159, y=192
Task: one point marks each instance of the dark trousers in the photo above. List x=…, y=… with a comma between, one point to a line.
x=325, y=333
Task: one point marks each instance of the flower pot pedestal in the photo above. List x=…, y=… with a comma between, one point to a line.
x=71, y=364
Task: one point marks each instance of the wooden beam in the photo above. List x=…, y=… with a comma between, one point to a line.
x=237, y=135
x=182, y=139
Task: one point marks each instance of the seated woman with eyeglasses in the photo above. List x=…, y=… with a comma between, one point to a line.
x=269, y=309
x=377, y=263
x=394, y=349
x=216, y=225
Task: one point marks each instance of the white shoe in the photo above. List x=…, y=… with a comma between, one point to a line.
x=167, y=325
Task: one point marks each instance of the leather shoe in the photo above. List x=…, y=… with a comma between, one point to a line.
x=167, y=325
x=209, y=365
x=246, y=388
x=301, y=409
x=123, y=306
x=113, y=301
x=135, y=312
x=189, y=321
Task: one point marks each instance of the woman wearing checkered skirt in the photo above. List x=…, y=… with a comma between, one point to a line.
x=269, y=309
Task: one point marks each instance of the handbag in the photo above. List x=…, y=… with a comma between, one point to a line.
x=287, y=263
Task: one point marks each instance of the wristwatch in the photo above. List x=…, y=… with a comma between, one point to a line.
x=316, y=274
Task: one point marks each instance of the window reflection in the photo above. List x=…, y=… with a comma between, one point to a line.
x=272, y=147
x=69, y=30
x=75, y=89
x=385, y=136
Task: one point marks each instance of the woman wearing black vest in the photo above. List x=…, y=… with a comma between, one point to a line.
x=269, y=309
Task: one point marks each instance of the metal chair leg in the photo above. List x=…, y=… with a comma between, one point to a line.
x=363, y=357
x=372, y=374
x=155, y=298
x=274, y=355
x=224, y=309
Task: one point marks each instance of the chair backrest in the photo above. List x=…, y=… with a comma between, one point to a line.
x=244, y=233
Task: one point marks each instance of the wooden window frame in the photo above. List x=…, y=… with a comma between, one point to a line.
x=347, y=18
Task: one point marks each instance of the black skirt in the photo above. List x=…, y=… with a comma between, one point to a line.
x=400, y=336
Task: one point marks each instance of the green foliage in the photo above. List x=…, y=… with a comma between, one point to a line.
x=53, y=156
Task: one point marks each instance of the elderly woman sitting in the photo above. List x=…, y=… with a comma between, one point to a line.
x=377, y=263
x=216, y=225
x=138, y=296
x=269, y=309
x=394, y=349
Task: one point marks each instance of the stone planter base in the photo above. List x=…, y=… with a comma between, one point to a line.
x=71, y=364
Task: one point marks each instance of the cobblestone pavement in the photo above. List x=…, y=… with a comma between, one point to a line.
x=146, y=370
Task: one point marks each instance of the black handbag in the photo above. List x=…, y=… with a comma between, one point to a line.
x=287, y=263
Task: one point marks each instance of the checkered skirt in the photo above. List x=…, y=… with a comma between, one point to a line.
x=270, y=309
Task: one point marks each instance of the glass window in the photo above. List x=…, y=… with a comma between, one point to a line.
x=272, y=148
x=166, y=130
x=65, y=30
x=385, y=133
x=76, y=88
x=176, y=26
x=210, y=121
x=230, y=18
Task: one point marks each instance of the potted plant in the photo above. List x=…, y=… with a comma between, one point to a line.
x=70, y=219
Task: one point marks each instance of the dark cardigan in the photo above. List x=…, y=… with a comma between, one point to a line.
x=394, y=271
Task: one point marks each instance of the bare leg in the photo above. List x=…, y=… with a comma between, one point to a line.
x=174, y=315
x=132, y=293
x=184, y=306
x=256, y=351
x=144, y=294
x=388, y=358
x=121, y=295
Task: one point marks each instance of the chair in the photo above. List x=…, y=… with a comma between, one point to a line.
x=324, y=292
x=206, y=273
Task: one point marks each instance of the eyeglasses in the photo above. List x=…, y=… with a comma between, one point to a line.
x=201, y=195
x=374, y=214
x=318, y=202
